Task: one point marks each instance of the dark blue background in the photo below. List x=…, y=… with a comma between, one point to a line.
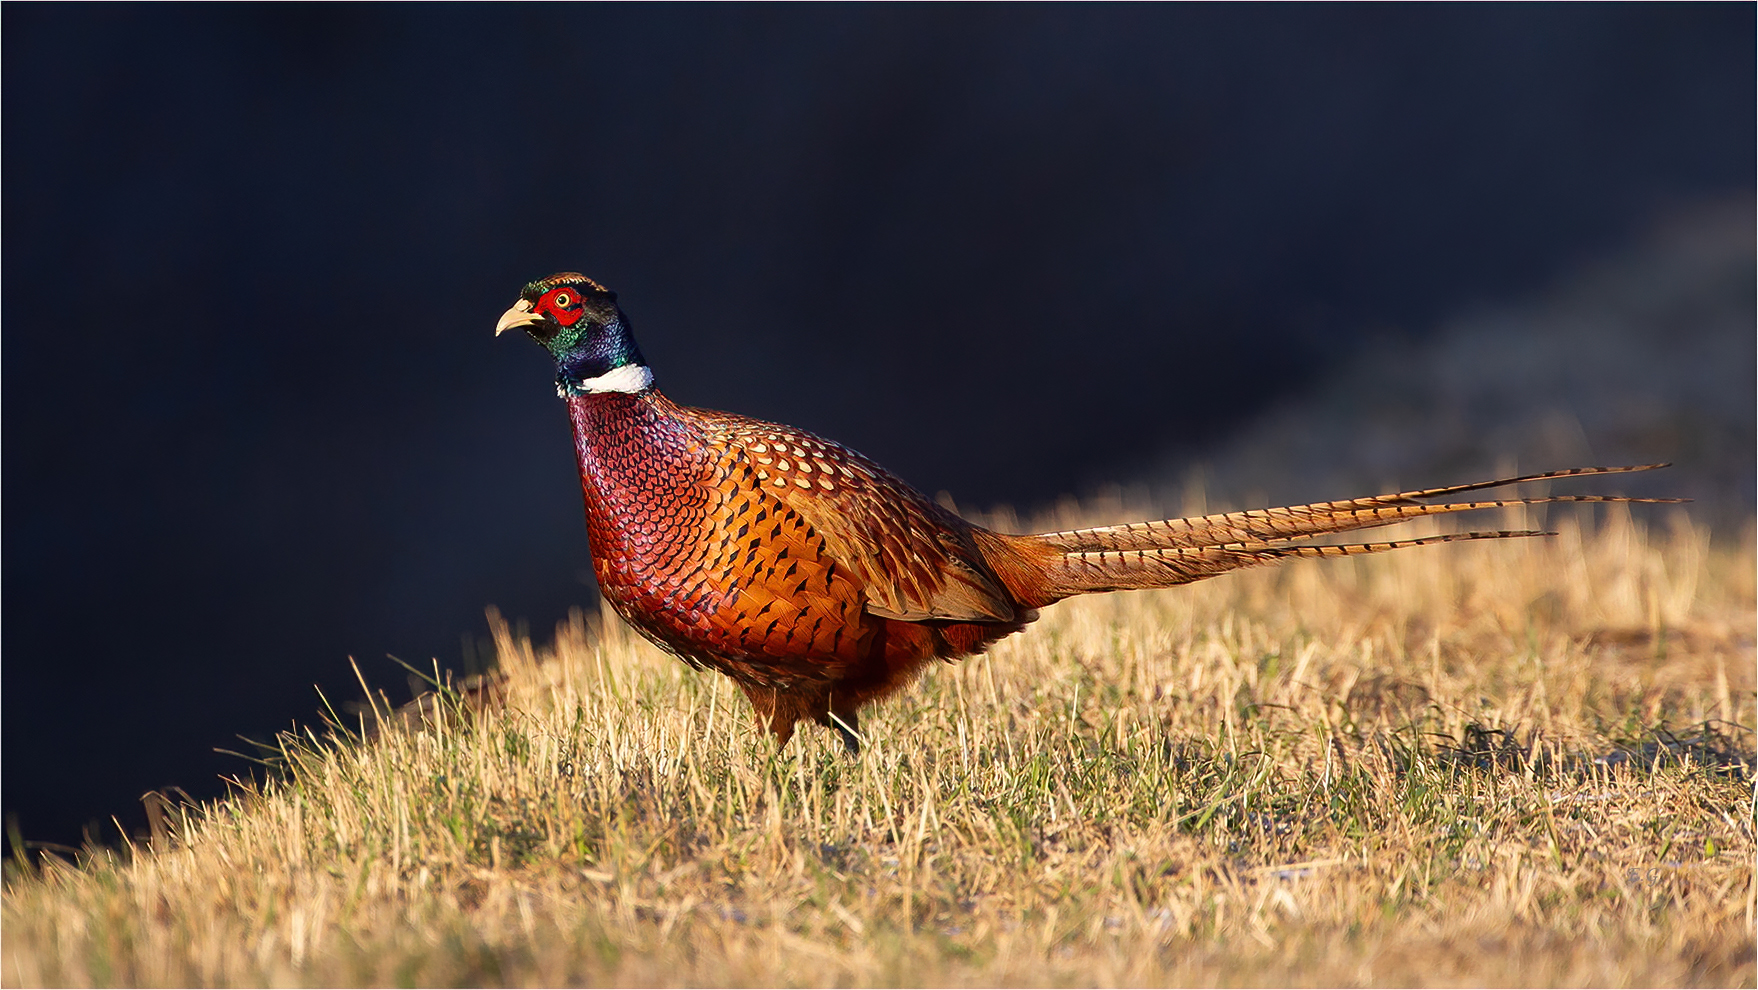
x=254, y=419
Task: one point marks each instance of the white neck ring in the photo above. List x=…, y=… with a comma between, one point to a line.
x=628, y=378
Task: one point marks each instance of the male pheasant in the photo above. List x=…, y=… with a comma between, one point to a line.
x=817, y=580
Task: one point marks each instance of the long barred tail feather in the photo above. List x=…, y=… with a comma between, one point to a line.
x=1084, y=572
x=1178, y=551
x=1295, y=521
x=1580, y=472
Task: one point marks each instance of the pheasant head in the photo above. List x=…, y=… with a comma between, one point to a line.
x=578, y=322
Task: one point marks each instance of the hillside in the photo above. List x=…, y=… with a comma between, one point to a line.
x=1522, y=763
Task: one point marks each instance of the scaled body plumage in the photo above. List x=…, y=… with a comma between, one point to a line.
x=802, y=570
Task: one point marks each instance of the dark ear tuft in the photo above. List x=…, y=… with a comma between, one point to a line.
x=588, y=285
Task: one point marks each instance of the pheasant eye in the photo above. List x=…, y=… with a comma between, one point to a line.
x=561, y=299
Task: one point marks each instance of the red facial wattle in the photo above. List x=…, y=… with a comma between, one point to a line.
x=560, y=304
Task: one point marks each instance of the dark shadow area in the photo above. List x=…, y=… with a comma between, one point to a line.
x=255, y=421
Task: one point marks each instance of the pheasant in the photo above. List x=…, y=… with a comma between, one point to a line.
x=820, y=582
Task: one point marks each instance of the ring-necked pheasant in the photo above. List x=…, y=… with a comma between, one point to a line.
x=817, y=580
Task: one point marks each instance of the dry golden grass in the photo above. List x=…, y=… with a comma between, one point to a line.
x=1526, y=763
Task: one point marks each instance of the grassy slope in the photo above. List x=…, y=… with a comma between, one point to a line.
x=1295, y=776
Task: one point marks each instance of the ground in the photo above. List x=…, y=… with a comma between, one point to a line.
x=1525, y=763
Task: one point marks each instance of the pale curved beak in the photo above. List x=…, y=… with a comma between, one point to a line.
x=520, y=315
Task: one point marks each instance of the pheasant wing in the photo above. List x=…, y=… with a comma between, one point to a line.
x=912, y=559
